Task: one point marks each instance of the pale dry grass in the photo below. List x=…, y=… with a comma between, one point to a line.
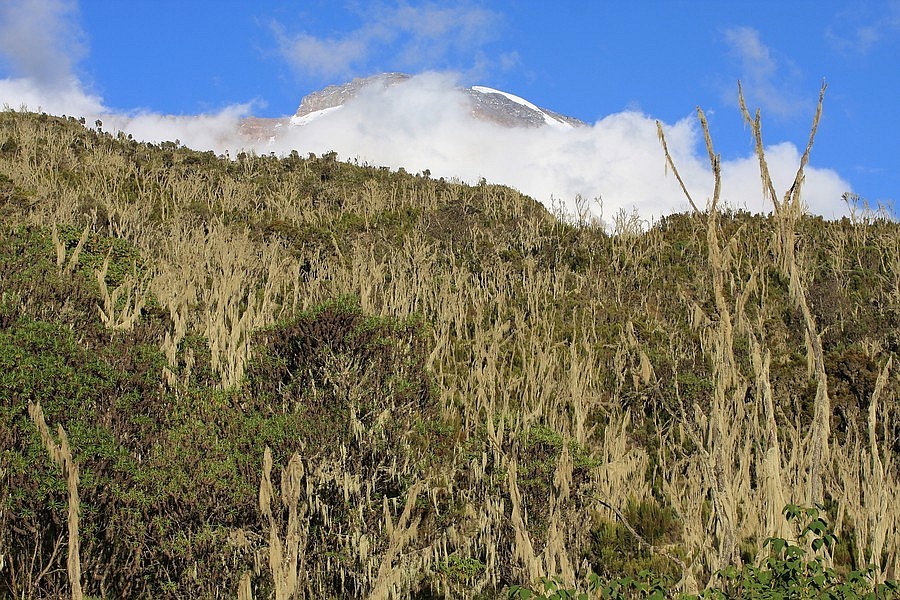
x=791, y=464
x=287, y=548
x=503, y=363
x=61, y=453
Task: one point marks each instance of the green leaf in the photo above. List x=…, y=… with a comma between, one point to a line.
x=791, y=512
x=777, y=544
x=817, y=526
x=518, y=591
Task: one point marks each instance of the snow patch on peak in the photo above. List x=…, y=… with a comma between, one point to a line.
x=514, y=98
x=309, y=117
x=548, y=119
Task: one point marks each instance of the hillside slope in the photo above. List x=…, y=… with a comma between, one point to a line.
x=417, y=388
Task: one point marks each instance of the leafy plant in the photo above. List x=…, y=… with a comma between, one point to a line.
x=799, y=568
x=796, y=569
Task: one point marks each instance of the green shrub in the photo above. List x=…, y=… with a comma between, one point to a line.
x=794, y=569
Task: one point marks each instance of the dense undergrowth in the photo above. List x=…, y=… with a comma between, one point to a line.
x=458, y=391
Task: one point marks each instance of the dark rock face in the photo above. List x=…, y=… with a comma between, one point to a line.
x=500, y=109
x=491, y=105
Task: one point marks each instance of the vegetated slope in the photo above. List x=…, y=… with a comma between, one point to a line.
x=454, y=384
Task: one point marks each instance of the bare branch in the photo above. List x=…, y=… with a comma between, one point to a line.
x=637, y=536
x=713, y=159
x=793, y=194
x=671, y=163
x=756, y=127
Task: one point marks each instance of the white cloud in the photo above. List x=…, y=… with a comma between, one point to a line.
x=415, y=37
x=70, y=99
x=210, y=131
x=41, y=41
x=821, y=191
x=425, y=123
x=335, y=57
x=204, y=131
x=767, y=81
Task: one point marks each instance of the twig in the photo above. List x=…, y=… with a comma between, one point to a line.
x=631, y=530
x=61, y=454
x=794, y=192
x=671, y=163
x=756, y=126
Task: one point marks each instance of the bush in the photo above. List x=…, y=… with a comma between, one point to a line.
x=793, y=569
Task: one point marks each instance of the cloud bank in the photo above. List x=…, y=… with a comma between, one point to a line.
x=40, y=40
x=426, y=123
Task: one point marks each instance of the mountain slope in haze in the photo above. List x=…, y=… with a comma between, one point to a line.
x=483, y=103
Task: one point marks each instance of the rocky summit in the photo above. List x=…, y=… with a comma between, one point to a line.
x=485, y=103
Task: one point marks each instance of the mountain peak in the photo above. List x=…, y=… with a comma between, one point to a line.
x=485, y=104
x=335, y=96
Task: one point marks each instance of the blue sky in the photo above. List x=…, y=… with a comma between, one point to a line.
x=591, y=60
